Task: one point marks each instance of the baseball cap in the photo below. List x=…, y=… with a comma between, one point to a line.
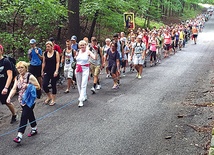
x=51, y=39
x=1, y=47
x=32, y=41
x=73, y=38
x=115, y=35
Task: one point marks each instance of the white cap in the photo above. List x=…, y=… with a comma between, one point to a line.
x=32, y=41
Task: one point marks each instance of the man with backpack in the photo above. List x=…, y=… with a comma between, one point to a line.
x=68, y=59
x=119, y=50
x=138, y=54
x=6, y=77
x=95, y=65
x=35, y=57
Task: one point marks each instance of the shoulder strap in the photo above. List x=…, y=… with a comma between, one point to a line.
x=99, y=50
x=28, y=77
x=72, y=53
x=90, y=48
x=64, y=52
x=17, y=77
x=116, y=52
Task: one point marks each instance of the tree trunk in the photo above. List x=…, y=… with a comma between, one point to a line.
x=93, y=25
x=74, y=19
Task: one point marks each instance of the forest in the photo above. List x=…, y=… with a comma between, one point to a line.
x=21, y=20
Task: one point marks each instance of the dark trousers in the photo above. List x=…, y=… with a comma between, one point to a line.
x=27, y=114
x=153, y=55
x=46, y=81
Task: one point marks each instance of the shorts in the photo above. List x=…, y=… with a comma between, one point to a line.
x=112, y=69
x=3, y=98
x=35, y=70
x=95, y=70
x=167, y=47
x=68, y=73
x=138, y=59
x=195, y=36
x=123, y=64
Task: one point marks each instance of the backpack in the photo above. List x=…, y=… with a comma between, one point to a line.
x=13, y=66
x=138, y=46
x=91, y=48
x=160, y=41
x=71, y=51
x=73, y=65
x=38, y=91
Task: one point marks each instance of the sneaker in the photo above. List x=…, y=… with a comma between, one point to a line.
x=139, y=77
x=93, y=90
x=85, y=99
x=98, y=87
x=108, y=75
x=17, y=139
x=13, y=119
x=80, y=104
x=115, y=87
x=32, y=133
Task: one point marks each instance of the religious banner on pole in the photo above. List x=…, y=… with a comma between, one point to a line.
x=129, y=20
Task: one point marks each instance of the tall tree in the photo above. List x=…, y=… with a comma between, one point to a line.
x=73, y=18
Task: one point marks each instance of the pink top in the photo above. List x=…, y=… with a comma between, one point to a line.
x=153, y=45
x=167, y=39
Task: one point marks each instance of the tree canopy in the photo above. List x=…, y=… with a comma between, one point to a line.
x=21, y=20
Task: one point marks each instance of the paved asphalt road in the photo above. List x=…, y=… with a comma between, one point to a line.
x=129, y=121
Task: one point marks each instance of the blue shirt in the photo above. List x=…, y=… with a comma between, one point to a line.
x=75, y=47
x=35, y=60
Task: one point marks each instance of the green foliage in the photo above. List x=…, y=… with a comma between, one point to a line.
x=140, y=23
x=22, y=20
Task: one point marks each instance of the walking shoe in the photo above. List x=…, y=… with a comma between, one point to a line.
x=98, y=87
x=32, y=133
x=139, y=76
x=115, y=87
x=13, y=119
x=108, y=75
x=80, y=104
x=124, y=73
x=17, y=139
x=93, y=90
x=85, y=99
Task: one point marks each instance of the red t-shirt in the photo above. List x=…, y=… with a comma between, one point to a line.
x=57, y=48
